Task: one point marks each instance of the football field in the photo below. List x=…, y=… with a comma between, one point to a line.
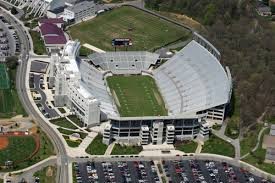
x=147, y=31
x=136, y=96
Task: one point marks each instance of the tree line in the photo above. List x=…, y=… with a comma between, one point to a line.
x=247, y=44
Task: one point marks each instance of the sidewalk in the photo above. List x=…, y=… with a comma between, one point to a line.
x=91, y=47
x=109, y=149
x=34, y=168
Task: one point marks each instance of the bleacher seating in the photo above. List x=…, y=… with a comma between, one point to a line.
x=124, y=62
x=193, y=80
x=93, y=79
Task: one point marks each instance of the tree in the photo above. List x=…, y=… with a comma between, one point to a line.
x=12, y=62
x=14, y=11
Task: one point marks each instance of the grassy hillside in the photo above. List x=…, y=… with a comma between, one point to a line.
x=247, y=44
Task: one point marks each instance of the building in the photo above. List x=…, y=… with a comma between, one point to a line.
x=81, y=11
x=52, y=34
x=264, y=10
x=37, y=7
x=196, y=89
x=269, y=145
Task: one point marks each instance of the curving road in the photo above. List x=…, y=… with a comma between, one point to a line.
x=21, y=78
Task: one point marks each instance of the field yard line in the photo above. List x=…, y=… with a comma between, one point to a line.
x=93, y=48
x=116, y=99
x=157, y=97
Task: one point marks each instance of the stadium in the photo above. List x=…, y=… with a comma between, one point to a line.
x=140, y=100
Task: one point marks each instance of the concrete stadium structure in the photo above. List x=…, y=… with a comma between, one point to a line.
x=195, y=87
x=69, y=10
x=38, y=7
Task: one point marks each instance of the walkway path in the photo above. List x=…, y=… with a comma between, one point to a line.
x=258, y=142
x=28, y=172
x=109, y=149
x=199, y=148
x=93, y=48
x=234, y=142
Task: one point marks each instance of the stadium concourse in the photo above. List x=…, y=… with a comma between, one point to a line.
x=189, y=92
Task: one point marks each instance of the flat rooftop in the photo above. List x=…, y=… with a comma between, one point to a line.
x=136, y=95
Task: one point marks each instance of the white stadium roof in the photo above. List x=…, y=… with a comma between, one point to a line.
x=193, y=80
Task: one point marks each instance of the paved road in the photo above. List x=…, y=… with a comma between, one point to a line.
x=52, y=113
x=23, y=95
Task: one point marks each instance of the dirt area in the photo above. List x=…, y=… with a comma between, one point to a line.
x=33, y=130
x=49, y=172
x=4, y=142
x=184, y=20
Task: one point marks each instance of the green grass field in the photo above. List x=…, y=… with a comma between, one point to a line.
x=69, y=132
x=9, y=100
x=126, y=150
x=147, y=32
x=257, y=158
x=97, y=147
x=63, y=122
x=186, y=146
x=136, y=96
x=72, y=143
x=249, y=139
x=215, y=145
x=4, y=77
x=46, y=149
x=19, y=148
x=38, y=43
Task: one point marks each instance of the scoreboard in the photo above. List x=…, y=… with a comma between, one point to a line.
x=122, y=42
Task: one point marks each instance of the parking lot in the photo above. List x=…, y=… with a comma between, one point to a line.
x=206, y=171
x=9, y=42
x=178, y=171
x=37, y=84
x=121, y=171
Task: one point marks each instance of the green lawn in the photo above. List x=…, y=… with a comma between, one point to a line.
x=46, y=149
x=63, y=122
x=38, y=43
x=4, y=77
x=147, y=32
x=75, y=119
x=10, y=104
x=233, y=124
x=136, y=96
x=216, y=145
x=257, y=158
x=250, y=139
x=62, y=110
x=216, y=127
x=84, y=51
x=126, y=150
x=186, y=146
x=47, y=175
x=97, y=147
x=69, y=132
x=72, y=143
x=19, y=148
